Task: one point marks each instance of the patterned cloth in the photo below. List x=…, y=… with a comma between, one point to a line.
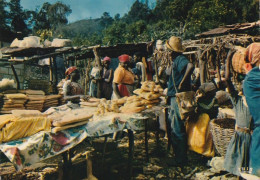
x=253, y=52
x=43, y=145
x=72, y=88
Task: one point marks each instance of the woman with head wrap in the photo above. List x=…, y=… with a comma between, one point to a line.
x=123, y=78
x=251, y=87
x=107, y=77
x=237, y=154
x=71, y=88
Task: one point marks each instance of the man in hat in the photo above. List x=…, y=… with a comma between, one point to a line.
x=180, y=80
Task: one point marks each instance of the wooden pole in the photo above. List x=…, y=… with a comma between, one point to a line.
x=51, y=76
x=98, y=60
x=16, y=77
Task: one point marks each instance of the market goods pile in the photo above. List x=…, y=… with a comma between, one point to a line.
x=12, y=102
x=22, y=123
x=69, y=118
x=148, y=96
x=51, y=100
x=27, y=99
x=36, y=99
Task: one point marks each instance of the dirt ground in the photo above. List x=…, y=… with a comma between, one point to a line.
x=114, y=164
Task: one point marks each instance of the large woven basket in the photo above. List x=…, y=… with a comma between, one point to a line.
x=222, y=131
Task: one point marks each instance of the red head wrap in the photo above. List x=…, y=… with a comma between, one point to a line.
x=107, y=59
x=124, y=58
x=70, y=70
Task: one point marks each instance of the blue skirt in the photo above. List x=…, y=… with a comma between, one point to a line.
x=237, y=155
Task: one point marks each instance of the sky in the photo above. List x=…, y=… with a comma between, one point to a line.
x=85, y=9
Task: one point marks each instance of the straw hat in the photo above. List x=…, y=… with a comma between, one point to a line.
x=175, y=44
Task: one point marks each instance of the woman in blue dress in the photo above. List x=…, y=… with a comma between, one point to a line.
x=237, y=154
x=252, y=93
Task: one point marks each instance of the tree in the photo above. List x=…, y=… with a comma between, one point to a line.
x=17, y=17
x=51, y=16
x=57, y=14
x=106, y=20
x=3, y=14
x=114, y=34
x=117, y=17
x=41, y=18
x=138, y=11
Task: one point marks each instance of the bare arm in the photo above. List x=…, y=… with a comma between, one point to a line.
x=116, y=90
x=110, y=76
x=228, y=61
x=189, y=70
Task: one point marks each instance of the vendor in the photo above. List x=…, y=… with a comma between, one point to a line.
x=72, y=90
x=138, y=69
x=123, y=78
x=107, y=77
x=95, y=77
x=251, y=87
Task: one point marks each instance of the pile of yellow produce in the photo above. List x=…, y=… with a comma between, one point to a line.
x=22, y=123
x=106, y=106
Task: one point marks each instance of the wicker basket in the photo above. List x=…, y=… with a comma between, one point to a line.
x=222, y=131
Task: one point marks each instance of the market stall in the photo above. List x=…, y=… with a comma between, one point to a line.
x=71, y=124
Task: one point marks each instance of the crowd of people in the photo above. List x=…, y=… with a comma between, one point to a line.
x=243, y=152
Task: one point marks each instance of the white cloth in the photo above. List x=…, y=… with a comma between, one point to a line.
x=94, y=71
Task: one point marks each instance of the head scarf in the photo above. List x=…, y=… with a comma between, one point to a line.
x=253, y=53
x=124, y=58
x=70, y=70
x=107, y=59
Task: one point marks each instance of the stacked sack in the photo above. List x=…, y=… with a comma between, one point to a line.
x=12, y=102
x=22, y=123
x=51, y=101
x=74, y=118
x=36, y=99
x=1, y=100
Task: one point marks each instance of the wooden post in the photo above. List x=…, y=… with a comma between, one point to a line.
x=146, y=139
x=130, y=153
x=155, y=60
x=98, y=60
x=202, y=64
x=16, y=77
x=55, y=75
x=90, y=175
x=51, y=75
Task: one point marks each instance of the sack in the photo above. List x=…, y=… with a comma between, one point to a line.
x=199, y=136
x=186, y=103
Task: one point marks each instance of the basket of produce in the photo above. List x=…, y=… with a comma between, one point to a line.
x=222, y=131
